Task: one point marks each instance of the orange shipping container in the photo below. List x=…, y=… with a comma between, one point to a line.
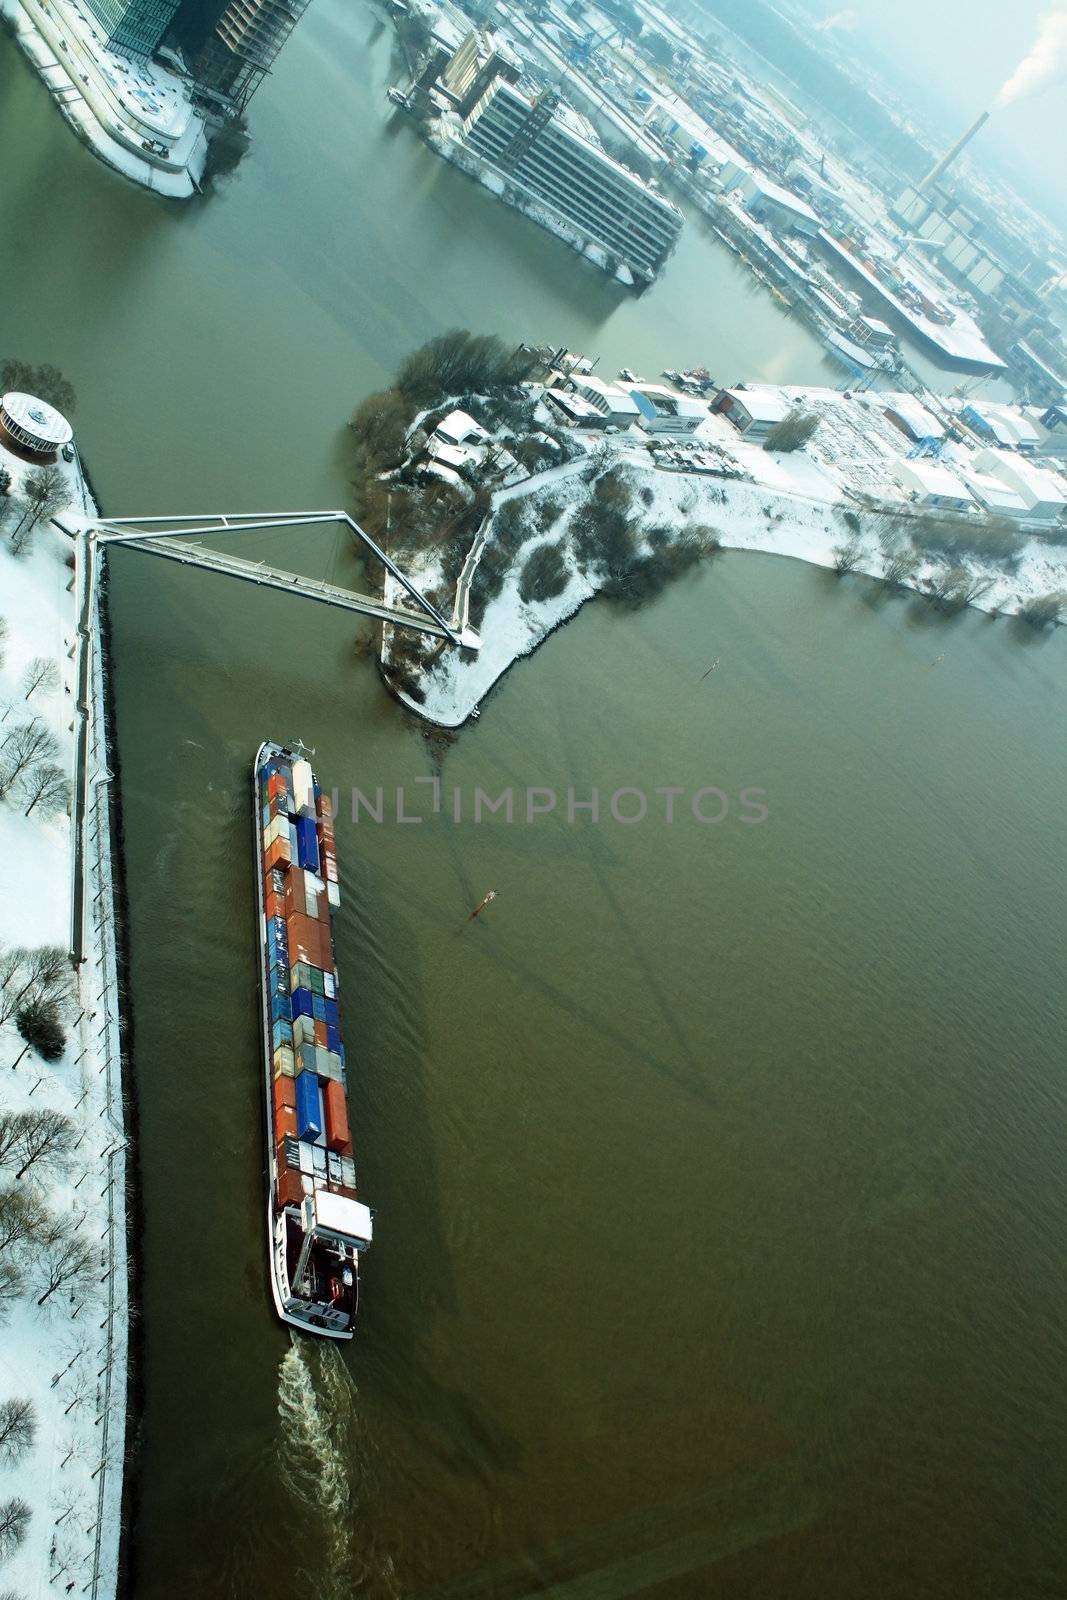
x=336, y=1115
x=322, y=1038
x=284, y=1116
x=277, y=854
x=275, y=906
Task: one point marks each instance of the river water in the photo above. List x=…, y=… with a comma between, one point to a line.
x=718, y=1167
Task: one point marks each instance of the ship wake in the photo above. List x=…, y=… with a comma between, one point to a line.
x=317, y=1416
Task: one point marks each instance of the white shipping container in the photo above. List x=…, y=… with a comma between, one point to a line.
x=333, y=894
x=348, y=1172
x=307, y=1157
x=330, y=985
x=303, y=789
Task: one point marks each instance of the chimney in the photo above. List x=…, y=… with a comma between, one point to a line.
x=950, y=155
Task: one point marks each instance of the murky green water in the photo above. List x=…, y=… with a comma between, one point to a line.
x=718, y=1167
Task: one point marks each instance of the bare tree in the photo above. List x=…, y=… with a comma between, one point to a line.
x=9, y=1136
x=41, y=975
x=45, y=489
x=18, y=1425
x=22, y=1219
x=46, y=786
x=14, y=1520
x=42, y=673
x=66, y=1264
x=11, y=1285
x=847, y=557
x=25, y=746
x=900, y=561
x=45, y=1138
x=953, y=588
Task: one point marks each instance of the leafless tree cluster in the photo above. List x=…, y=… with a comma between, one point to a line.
x=44, y=493
x=29, y=766
x=34, y=977
x=35, y=1140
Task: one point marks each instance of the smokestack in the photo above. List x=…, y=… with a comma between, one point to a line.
x=950, y=155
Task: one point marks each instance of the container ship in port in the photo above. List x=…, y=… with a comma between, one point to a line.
x=317, y=1226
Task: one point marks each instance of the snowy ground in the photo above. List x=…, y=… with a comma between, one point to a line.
x=84, y=80
x=783, y=504
x=68, y=1357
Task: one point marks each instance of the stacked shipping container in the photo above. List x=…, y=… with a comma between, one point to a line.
x=311, y=1134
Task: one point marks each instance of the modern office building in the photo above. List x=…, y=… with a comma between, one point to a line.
x=541, y=146
x=133, y=27
x=244, y=44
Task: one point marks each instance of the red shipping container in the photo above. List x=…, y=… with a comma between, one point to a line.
x=284, y=1095
x=290, y=1189
x=275, y=906
x=309, y=941
x=322, y=1038
x=337, y=1133
x=274, y=783
x=345, y=1149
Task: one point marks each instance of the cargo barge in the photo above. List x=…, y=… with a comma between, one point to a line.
x=317, y=1226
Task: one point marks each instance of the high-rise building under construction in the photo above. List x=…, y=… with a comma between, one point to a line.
x=243, y=45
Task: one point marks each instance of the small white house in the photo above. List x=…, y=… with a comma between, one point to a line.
x=575, y=411
x=1042, y=493
x=664, y=412
x=459, y=429
x=615, y=404
x=753, y=412
x=929, y=483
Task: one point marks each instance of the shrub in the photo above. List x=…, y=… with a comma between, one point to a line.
x=38, y=1023
x=847, y=557
x=1043, y=610
x=793, y=432
x=986, y=538
x=545, y=574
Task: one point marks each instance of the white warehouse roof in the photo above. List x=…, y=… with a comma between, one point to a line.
x=762, y=405
x=931, y=480
x=1036, y=486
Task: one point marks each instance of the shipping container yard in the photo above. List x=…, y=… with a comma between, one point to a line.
x=316, y=1224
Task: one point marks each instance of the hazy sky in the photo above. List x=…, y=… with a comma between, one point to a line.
x=963, y=52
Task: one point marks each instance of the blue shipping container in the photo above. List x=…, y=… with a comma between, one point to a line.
x=280, y=1008
x=302, y=1003
x=279, y=980
x=307, y=843
x=318, y=1008
x=308, y=1121
x=333, y=1039
x=333, y=1016
x=281, y=1033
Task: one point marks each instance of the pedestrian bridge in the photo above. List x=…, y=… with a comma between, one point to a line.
x=169, y=538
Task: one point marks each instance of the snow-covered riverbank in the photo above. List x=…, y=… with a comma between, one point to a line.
x=63, y=1341
x=801, y=504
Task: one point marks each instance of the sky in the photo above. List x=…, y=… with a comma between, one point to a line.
x=958, y=53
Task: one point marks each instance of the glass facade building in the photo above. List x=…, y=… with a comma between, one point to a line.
x=133, y=27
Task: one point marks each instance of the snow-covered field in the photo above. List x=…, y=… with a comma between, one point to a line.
x=781, y=504
x=68, y=1357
